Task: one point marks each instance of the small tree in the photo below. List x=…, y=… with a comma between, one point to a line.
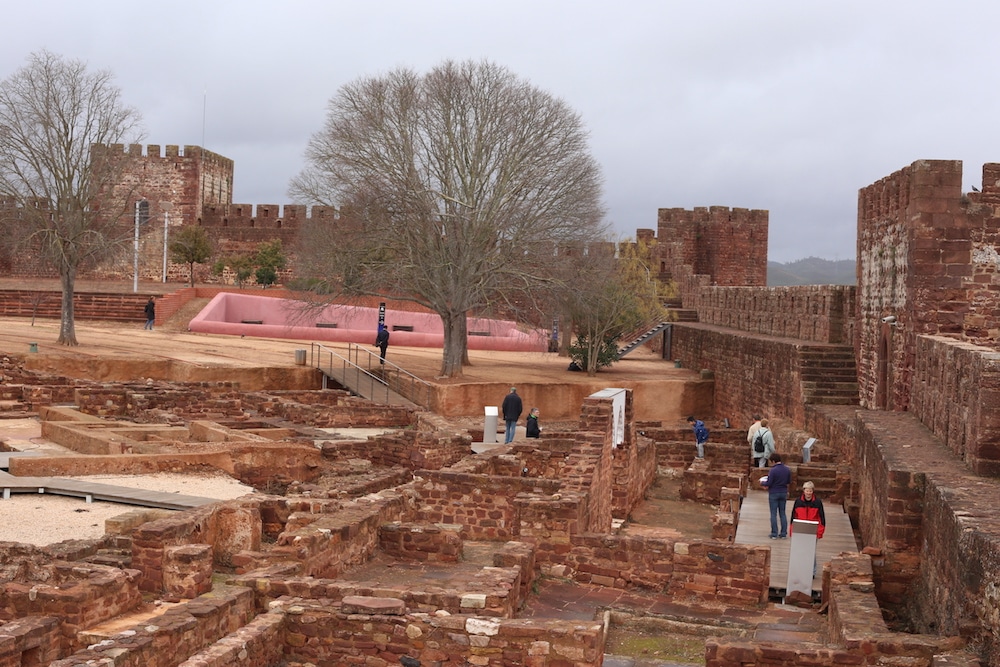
x=612, y=296
x=191, y=246
x=268, y=259
x=241, y=265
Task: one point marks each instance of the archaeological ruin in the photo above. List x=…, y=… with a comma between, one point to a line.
x=421, y=542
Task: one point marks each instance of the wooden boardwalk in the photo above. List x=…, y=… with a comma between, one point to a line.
x=755, y=527
x=91, y=491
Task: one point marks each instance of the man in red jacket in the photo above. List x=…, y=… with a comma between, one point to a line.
x=808, y=507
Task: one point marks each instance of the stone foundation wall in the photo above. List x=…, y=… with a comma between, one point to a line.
x=176, y=635
x=706, y=570
x=323, y=635
x=80, y=595
x=329, y=408
x=260, y=643
x=413, y=450
x=420, y=542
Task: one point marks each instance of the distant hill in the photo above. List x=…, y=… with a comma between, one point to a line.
x=812, y=271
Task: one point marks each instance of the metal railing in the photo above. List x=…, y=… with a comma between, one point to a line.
x=362, y=371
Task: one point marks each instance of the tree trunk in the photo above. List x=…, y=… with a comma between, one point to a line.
x=454, y=348
x=191, y=273
x=67, y=326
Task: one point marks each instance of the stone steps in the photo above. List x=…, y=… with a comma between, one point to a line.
x=828, y=375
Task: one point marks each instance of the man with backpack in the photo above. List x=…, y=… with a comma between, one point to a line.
x=700, y=435
x=762, y=445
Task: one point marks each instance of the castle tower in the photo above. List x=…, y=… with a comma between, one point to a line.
x=928, y=264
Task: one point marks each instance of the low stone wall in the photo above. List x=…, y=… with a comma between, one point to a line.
x=203, y=400
x=260, y=643
x=707, y=570
x=414, y=450
x=80, y=595
x=35, y=640
x=328, y=409
x=702, y=484
x=323, y=545
x=483, y=505
x=325, y=635
x=174, y=636
x=420, y=542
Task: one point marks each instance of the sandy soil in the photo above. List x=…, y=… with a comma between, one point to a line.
x=42, y=519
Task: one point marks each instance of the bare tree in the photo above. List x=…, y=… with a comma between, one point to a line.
x=456, y=186
x=52, y=111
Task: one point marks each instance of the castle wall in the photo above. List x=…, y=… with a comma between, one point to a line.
x=927, y=255
x=753, y=374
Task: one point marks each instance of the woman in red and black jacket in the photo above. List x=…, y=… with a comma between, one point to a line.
x=808, y=507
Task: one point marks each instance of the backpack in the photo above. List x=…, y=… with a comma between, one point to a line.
x=758, y=442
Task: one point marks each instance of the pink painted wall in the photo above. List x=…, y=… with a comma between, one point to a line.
x=286, y=318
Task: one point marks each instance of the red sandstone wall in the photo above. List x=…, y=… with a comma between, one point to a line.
x=956, y=394
x=730, y=245
x=819, y=313
x=753, y=374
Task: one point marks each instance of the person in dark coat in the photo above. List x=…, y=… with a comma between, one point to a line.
x=511, y=409
x=150, y=311
x=382, y=342
x=533, y=429
x=776, y=483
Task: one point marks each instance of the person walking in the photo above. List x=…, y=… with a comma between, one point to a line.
x=382, y=342
x=700, y=435
x=150, y=311
x=511, y=409
x=776, y=483
x=532, y=427
x=752, y=433
x=762, y=445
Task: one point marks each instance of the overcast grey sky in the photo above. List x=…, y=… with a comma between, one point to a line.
x=786, y=106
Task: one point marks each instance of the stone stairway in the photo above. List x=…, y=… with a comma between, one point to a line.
x=829, y=375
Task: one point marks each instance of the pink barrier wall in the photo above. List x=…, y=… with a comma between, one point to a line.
x=235, y=314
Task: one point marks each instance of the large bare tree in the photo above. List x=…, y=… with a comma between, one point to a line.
x=52, y=111
x=456, y=187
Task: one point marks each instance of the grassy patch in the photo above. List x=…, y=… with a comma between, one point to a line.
x=668, y=647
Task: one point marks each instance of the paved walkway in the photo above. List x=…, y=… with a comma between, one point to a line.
x=755, y=528
x=91, y=491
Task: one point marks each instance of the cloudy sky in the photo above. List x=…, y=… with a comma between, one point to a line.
x=790, y=106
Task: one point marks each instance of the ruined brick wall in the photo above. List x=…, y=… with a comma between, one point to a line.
x=177, y=633
x=734, y=574
x=325, y=635
x=420, y=542
x=328, y=409
x=484, y=505
x=409, y=449
x=820, y=313
x=956, y=394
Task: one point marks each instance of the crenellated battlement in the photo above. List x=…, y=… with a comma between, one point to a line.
x=170, y=152
x=265, y=216
x=729, y=245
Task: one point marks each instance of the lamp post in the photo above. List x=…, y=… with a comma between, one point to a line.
x=141, y=216
x=166, y=206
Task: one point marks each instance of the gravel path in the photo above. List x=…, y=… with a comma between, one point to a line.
x=42, y=519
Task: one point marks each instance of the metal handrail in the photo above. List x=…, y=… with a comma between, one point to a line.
x=398, y=379
x=367, y=372
x=326, y=360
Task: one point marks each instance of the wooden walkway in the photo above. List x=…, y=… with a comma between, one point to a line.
x=755, y=527
x=91, y=491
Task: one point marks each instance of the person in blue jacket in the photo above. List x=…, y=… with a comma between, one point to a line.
x=700, y=435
